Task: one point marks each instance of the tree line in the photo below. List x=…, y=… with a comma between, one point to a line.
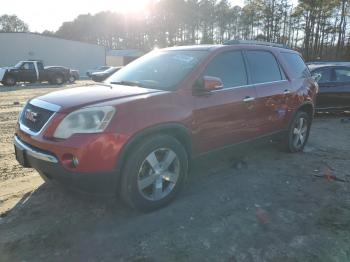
x=317, y=28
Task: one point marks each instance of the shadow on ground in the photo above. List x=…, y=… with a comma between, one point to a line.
x=242, y=204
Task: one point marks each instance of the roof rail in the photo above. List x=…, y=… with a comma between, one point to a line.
x=253, y=42
x=33, y=60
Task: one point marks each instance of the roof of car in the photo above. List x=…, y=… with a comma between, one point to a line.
x=242, y=44
x=316, y=65
x=194, y=47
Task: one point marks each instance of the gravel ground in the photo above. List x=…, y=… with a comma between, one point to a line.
x=248, y=203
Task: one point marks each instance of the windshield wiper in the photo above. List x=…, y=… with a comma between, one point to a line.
x=127, y=83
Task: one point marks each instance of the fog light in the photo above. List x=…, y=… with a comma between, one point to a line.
x=75, y=161
x=70, y=161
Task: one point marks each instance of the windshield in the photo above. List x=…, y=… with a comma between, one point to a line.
x=111, y=69
x=159, y=69
x=18, y=65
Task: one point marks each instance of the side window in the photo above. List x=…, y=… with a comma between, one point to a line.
x=25, y=66
x=229, y=67
x=263, y=67
x=342, y=74
x=296, y=65
x=31, y=66
x=323, y=75
x=40, y=66
x=28, y=66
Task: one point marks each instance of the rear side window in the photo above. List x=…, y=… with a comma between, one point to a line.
x=324, y=75
x=263, y=67
x=40, y=66
x=342, y=74
x=229, y=67
x=296, y=65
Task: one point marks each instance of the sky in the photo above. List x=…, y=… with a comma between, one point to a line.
x=43, y=15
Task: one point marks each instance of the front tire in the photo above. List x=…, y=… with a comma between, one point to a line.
x=298, y=132
x=154, y=173
x=9, y=81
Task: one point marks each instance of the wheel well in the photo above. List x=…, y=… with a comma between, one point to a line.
x=307, y=108
x=10, y=75
x=178, y=132
x=57, y=74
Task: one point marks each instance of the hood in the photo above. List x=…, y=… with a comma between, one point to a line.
x=3, y=71
x=99, y=73
x=88, y=95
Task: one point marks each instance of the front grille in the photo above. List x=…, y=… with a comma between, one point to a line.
x=34, y=117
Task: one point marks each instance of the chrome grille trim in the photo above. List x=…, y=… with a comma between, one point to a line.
x=42, y=104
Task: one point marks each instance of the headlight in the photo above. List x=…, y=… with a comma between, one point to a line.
x=86, y=120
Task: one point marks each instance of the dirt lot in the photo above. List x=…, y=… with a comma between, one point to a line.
x=244, y=204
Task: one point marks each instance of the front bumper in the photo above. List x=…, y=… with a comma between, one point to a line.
x=50, y=169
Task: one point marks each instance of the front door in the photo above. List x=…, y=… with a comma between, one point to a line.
x=222, y=117
x=27, y=72
x=338, y=95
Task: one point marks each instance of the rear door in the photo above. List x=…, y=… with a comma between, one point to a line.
x=271, y=85
x=326, y=83
x=222, y=117
x=301, y=85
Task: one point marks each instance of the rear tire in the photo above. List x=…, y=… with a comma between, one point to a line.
x=298, y=132
x=58, y=79
x=71, y=79
x=153, y=173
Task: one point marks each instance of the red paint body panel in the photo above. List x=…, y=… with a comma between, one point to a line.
x=95, y=152
x=213, y=120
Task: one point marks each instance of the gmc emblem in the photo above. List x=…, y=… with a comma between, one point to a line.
x=30, y=115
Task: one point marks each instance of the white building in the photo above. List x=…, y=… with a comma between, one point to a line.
x=52, y=51
x=122, y=57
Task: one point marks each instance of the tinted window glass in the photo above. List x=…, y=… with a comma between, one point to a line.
x=263, y=67
x=296, y=65
x=28, y=66
x=323, y=75
x=342, y=74
x=159, y=69
x=40, y=66
x=229, y=67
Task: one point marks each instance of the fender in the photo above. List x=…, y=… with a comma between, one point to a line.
x=179, y=131
x=307, y=103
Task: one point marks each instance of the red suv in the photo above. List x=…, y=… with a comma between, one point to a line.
x=136, y=132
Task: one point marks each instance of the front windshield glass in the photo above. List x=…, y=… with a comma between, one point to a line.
x=111, y=69
x=18, y=65
x=159, y=69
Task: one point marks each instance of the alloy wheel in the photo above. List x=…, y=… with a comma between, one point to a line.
x=158, y=174
x=300, y=132
x=59, y=80
x=10, y=81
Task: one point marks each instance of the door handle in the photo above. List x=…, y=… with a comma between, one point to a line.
x=286, y=92
x=248, y=99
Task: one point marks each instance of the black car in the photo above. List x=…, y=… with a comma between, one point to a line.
x=334, y=85
x=101, y=76
x=33, y=71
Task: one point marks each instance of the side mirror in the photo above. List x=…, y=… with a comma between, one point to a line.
x=209, y=83
x=317, y=77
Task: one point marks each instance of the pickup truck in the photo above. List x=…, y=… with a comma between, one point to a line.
x=33, y=71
